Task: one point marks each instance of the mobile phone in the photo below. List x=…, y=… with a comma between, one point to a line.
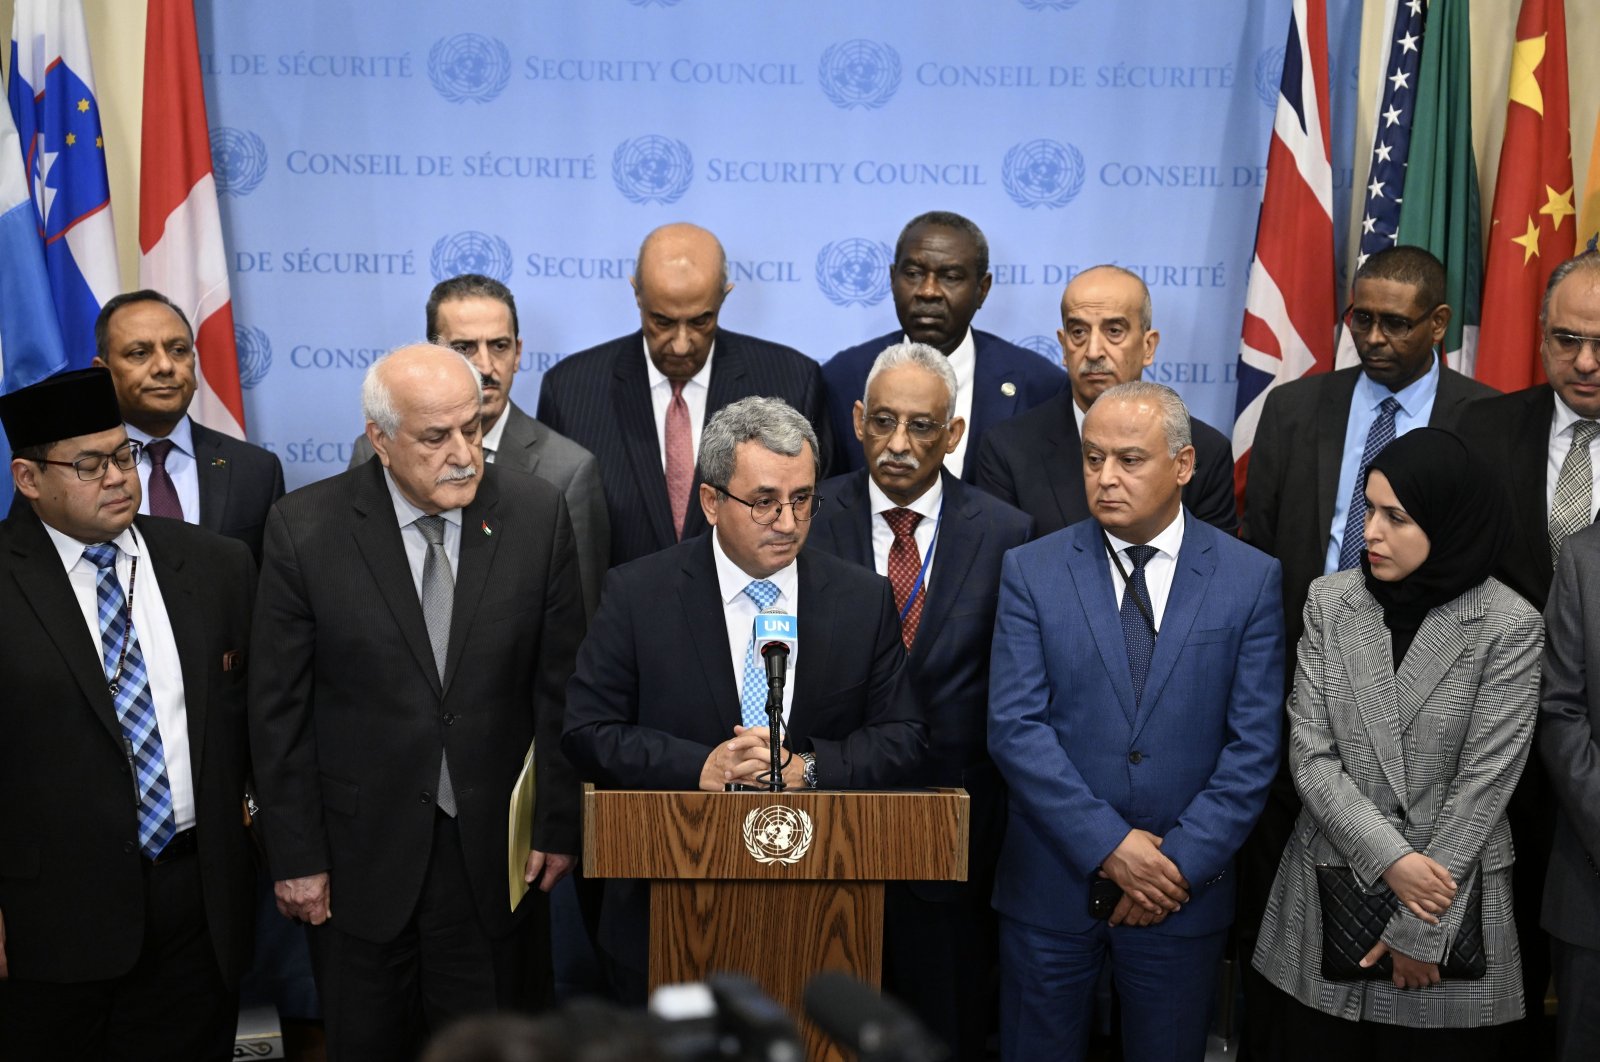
x=1104, y=895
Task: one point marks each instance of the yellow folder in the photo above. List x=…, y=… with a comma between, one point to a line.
x=519, y=830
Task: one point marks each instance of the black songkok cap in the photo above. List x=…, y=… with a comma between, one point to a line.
x=63, y=406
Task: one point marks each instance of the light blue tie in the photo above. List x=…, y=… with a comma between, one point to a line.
x=753, y=696
x=136, y=709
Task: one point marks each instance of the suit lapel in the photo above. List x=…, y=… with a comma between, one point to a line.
x=186, y=613
x=852, y=531
x=1531, y=449
x=636, y=420
x=213, y=472
x=700, y=597
x=519, y=442
x=1333, y=414
x=990, y=404
x=1191, y=581
x=1063, y=467
x=1365, y=645
x=1439, y=643
x=378, y=541
x=480, y=541
x=817, y=617
x=960, y=535
x=1091, y=574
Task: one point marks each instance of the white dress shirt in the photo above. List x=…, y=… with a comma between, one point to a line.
x=411, y=536
x=739, y=612
x=883, y=538
x=491, y=438
x=153, y=628
x=1158, y=570
x=964, y=360
x=182, y=468
x=696, y=392
x=1560, y=442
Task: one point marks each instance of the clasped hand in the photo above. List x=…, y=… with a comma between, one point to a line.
x=745, y=757
x=1152, y=885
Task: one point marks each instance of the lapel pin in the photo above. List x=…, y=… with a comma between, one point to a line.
x=487, y=530
x=1008, y=389
x=219, y=462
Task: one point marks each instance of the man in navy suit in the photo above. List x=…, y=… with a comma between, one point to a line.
x=667, y=693
x=188, y=471
x=940, y=543
x=638, y=403
x=1035, y=460
x=940, y=278
x=1134, y=715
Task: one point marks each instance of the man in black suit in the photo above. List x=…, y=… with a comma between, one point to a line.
x=638, y=403
x=1303, y=504
x=421, y=614
x=940, y=543
x=1545, y=443
x=667, y=694
x=125, y=866
x=1034, y=461
x=940, y=278
x=476, y=316
x=188, y=471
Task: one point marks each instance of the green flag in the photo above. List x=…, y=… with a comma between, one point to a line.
x=1440, y=211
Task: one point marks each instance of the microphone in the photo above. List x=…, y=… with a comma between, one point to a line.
x=777, y=636
x=877, y=1027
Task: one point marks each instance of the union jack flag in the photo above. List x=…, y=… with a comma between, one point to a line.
x=1289, y=311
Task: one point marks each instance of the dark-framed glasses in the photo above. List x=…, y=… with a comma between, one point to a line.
x=883, y=425
x=1390, y=324
x=1566, y=346
x=93, y=466
x=767, y=510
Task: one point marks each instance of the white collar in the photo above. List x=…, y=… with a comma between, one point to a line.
x=732, y=579
x=658, y=378
x=963, y=359
x=927, y=503
x=491, y=438
x=1167, y=541
x=1565, y=417
x=71, y=550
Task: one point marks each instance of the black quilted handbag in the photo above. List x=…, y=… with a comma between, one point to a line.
x=1353, y=920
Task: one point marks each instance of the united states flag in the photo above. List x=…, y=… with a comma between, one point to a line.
x=1289, y=309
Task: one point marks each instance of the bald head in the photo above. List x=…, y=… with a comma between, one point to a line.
x=424, y=407
x=679, y=284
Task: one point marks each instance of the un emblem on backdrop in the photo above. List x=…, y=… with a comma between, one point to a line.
x=854, y=272
x=1044, y=173
x=471, y=252
x=469, y=66
x=1048, y=5
x=652, y=169
x=859, y=73
x=238, y=160
x=1269, y=76
x=1044, y=346
x=255, y=355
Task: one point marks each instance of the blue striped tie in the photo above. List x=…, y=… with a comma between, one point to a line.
x=1136, y=633
x=753, y=694
x=1355, y=522
x=136, y=710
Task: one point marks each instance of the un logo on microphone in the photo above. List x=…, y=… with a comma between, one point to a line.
x=652, y=169
x=1048, y=5
x=1044, y=346
x=859, y=73
x=471, y=252
x=238, y=160
x=854, y=272
x=1043, y=173
x=1269, y=76
x=469, y=66
x=255, y=355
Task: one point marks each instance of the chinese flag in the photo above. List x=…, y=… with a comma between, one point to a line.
x=1533, y=228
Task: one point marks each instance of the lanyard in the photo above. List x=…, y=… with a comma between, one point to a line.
x=916, y=587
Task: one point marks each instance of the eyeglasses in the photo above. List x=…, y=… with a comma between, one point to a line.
x=882, y=425
x=767, y=510
x=1391, y=324
x=1566, y=346
x=94, y=466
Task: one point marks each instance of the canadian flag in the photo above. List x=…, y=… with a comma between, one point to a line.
x=180, y=230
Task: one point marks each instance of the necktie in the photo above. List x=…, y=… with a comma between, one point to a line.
x=1136, y=633
x=488, y=456
x=1381, y=434
x=753, y=693
x=135, y=708
x=1572, y=508
x=163, y=495
x=438, y=592
x=680, y=457
x=904, y=564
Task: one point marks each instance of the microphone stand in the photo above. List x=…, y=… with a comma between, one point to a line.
x=775, y=681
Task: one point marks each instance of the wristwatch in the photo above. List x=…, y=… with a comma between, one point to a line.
x=810, y=776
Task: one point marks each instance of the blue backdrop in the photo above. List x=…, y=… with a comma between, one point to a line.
x=365, y=150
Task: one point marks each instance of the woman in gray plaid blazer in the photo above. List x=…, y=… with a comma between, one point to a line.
x=1411, y=717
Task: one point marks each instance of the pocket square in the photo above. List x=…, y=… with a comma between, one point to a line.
x=233, y=660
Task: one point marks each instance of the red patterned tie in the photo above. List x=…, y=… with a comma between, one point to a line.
x=163, y=494
x=680, y=457
x=904, y=564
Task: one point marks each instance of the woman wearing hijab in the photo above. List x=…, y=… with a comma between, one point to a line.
x=1414, y=699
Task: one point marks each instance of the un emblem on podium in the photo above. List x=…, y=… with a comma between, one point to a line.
x=777, y=834
x=471, y=252
x=469, y=66
x=854, y=272
x=255, y=355
x=652, y=169
x=1044, y=173
x=859, y=73
x=238, y=160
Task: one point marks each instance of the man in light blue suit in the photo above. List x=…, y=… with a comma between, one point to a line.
x=1135, y=700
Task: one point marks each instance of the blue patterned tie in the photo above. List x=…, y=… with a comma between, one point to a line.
x=136, y=710
x=753, y=695
x=1380, y=435
x=1136, y=633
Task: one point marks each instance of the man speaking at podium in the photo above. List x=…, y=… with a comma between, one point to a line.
x=669, y=692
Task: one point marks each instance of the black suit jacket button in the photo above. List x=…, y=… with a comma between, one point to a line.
x=129, y=848
x=427, y=797
x=449, y=718
x=1135, y=757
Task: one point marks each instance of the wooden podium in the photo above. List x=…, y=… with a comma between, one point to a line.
x=777, y=886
